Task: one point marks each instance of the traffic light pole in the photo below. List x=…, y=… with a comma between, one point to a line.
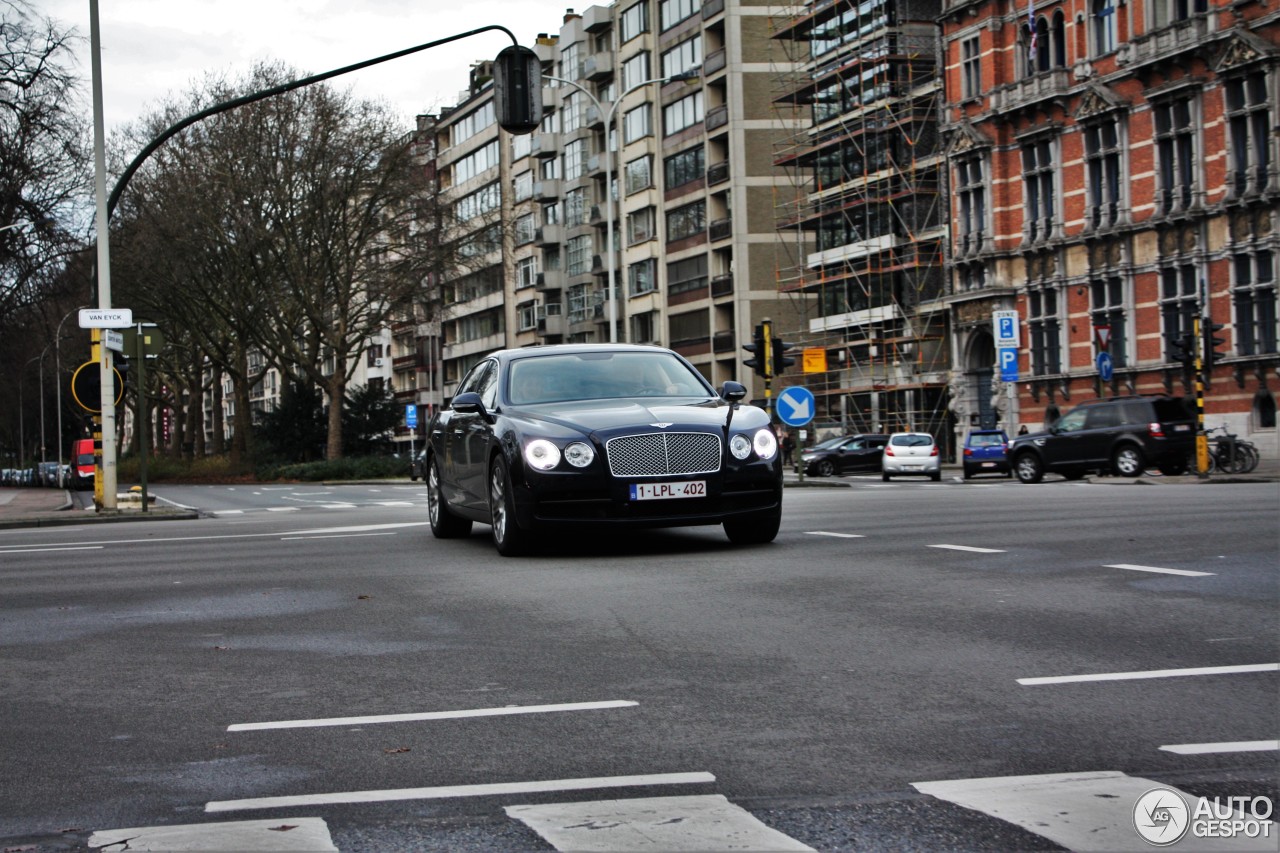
x=1202, y=440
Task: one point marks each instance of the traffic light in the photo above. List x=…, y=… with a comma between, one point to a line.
x=517, y=89
x=781, y=361
x=1182, y=348
x=1211, y=342
x=121, y=365
x=757, y=362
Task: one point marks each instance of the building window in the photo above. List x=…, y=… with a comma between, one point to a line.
x=973, y=277
x=523, y=229
x=637, y=124
x=644, y=328
x=1175, y=153
x=971, y=68
x=639, y=174
x=971, y=197
x=526, y=272
x=575, y=207
x=579, y=304
x=1249, y=120
x=571, y=62
x=686, y=275
x=1103, y=13
x=1107, y=302
x=527, y=313
x=690, y=327
x=640, y=226
x=685, y=167
x=635, y=70
x=478, y=161
x=1045, y=326
x=575, y=159
x=642, y=277
x=1102, y=155
x=522, y=186
x=1037, y=180
x=1254, y=293
x=477, y=204
x=635, y=20
x=578, y=255
x=471, y=124
x=1167, y=12
x=683, y=57
x=686, y=221
x=1179, y=299
x=683, y=113
x=672, y=12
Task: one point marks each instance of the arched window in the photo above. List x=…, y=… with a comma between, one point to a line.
x=1059, y=40
x=1043, y=45
x=1104, y=26
x=1264, y=409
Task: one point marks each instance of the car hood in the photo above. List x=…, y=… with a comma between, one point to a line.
x=609, y=416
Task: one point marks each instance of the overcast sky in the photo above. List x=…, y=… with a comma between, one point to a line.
x=154, y=48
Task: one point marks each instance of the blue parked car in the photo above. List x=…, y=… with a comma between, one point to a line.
x=984, y=453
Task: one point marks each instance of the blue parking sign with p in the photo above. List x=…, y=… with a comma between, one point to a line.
x=411, y=415
x=1008, y=364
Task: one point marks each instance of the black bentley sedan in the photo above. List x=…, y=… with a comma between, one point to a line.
x=599, y=434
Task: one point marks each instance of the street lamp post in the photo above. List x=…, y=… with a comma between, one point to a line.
x=609, y=154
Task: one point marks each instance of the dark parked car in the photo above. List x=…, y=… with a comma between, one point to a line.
x=984, y=453
x=417, y=465
x=599, y=435
x=845, y=454
x=1120, y=435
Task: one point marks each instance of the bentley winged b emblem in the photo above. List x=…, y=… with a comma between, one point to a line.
x=660, y=425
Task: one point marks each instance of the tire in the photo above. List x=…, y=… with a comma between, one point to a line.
x=936, y=476
x=444, y=524
x=884, y=475
x=1028, y=468
x=1127, y=461
x=754, y=530
x=509, y=537
x=826, y=469
x=1250, y=454
x=965, y=474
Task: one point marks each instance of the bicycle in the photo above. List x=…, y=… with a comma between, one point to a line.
x=1229, y=454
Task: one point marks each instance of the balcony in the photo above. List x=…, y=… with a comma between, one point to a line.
x=722, y=285
x=717, y=117
x=545, y=145
x=711, y=9
x=597, y=19
x=412, y=361
x=596, y=163
x=546, y=190
x=718, y=173
x=549, y=280
x=598, y=67
x=720, y=229
x=549, y=235
x=592, y=117
x=1032, y=91
x=714, y=62
x=1165, y=45
x=551, y=324
x=723, y=342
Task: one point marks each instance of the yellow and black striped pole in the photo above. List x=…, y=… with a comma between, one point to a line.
x=1202, y=440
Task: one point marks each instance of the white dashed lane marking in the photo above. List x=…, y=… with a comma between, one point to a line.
x=1151, y=673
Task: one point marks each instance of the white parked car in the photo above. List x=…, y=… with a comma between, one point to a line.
x=911, y=453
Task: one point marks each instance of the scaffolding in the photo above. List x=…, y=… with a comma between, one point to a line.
x=863, y=219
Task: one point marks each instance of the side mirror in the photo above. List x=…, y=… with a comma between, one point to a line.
x=469, y=404
x=733, y=392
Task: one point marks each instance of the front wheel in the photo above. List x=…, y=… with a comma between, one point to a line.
x=1028, y=468
x=1127, y=461
x=825, y=468
x=754, y=530
x=509, y=537
x=444, y=524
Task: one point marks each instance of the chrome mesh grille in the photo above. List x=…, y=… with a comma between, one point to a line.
x=658, y=453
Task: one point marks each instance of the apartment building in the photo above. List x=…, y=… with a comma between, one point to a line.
x=659, y=128
x=1114, y=177
x=867, y=209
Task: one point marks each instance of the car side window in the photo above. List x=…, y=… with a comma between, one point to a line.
x=487, y=387
x=1102, y=417
x=475, y=380
x=1072, y=421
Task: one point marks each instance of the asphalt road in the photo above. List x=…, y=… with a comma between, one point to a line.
x=894, y=635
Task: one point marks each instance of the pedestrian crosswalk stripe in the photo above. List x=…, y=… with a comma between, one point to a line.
x=452, y=791
x=506, y=710
x=1214, y=748
x=1151, y=673
x=250, y=836
x=693, y=823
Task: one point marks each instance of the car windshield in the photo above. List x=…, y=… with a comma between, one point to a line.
x=912, y=440
x=601, y=375
x=829, y=443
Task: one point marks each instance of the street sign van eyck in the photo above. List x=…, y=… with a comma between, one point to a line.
x=106, y=318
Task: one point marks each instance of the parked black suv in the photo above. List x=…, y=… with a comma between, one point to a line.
x=1121, y=435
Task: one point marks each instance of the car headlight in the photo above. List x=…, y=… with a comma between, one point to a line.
x=541, y=454
x=740, y=446
x=765, y=443
x=579, y=454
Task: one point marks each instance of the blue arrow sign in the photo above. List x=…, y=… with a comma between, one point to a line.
x=795, y=406
x=1008, y=364
x=1105, y=366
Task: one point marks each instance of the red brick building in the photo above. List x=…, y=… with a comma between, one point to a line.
x=1114, y=178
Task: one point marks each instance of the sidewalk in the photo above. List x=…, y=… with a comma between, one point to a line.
x=28, y=507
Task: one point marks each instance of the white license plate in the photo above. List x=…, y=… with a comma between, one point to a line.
x=1181, y=428
x=988, y=464
x=664, y=491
